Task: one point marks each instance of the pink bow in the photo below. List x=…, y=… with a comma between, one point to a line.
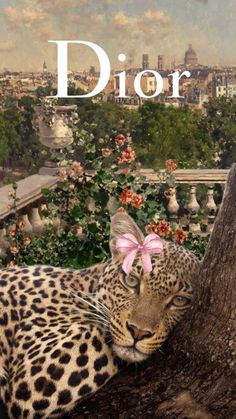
x=130, y=245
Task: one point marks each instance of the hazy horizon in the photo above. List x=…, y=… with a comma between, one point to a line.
x=132, y=27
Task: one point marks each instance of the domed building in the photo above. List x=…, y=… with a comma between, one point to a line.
x=190, y=58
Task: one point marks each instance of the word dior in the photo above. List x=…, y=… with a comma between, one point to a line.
x=105, y=72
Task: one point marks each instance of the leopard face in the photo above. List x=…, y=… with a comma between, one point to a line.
x=145, y=307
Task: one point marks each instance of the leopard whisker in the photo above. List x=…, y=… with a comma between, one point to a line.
x=95, y=315
x=89, y=303
x=100, y=304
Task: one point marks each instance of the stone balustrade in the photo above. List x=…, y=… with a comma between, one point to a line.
x=31, y=202
x=191, y=211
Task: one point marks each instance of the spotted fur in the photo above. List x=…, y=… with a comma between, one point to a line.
x=63, y=332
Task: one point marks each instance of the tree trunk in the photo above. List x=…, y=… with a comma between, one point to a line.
x=195, y=376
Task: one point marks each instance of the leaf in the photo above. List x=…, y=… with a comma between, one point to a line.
x=93, y=228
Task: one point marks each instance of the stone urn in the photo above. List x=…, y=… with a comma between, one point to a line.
x=55, y=125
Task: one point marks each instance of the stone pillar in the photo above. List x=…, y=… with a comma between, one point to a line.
x=173, y=207
x=27, y=225
x=193, y=208
x=35, y=220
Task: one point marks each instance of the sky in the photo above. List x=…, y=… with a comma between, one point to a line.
x=132, y=27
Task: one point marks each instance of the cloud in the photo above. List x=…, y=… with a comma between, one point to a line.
x=144, y=27
x=7, y=46
x=203, y=1
x=132, y=27
x=26, y=17
x=58, y=6
x=33, y=22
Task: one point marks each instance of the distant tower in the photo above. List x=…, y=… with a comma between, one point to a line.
x=92, y=71
x=45, y=69
x=145, y=62
x=190, y=58
x=173, y=64
x=161, y=63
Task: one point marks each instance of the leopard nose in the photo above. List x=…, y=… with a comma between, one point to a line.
x=138, y=334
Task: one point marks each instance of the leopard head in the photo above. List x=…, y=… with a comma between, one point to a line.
x=145, y=307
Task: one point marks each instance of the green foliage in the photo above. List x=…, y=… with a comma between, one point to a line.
x=197, y=244
x=19, y=143
x=220, y=122
x=9, y=140
x=176, y=133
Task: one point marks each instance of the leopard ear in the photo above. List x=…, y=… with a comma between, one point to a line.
x=122, y=223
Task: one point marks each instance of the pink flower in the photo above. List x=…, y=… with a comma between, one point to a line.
x=72, y=186
x=12, y=231
x=161, y=227
x=26, y=241
x=137, y=201
x=120, y=139
x=106, y=152
x=119, y=160
x=179, y=235
x=14, y=249
x=21, y=224
x=76, y=166
x=126, y=196
x=171, y=166
x=126, y=171
x=128, y=155
x=63, y=174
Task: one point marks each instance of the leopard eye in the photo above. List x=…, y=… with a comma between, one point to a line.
x=180, y=301
x=131, y=281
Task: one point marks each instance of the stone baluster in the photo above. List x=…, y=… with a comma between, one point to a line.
x=193, y=208
x=173, y=207
x=56, y=222
x=211, y=208
x=35, y=220
x=3, y=242
x=44, y=219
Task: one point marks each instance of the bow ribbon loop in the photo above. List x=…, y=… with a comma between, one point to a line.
x=130, y=245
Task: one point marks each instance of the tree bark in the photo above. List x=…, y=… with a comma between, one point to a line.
x=195, y=376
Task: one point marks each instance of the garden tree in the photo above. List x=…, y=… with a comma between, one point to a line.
x=195, y=376
x=43, y=91
x=167, y=132
x=20, y=114
x=101, y=118
x=31, y=148
x=220, y=122
x=108, y=118
x=9, y=140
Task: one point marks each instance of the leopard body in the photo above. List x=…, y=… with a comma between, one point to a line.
x=64, y=333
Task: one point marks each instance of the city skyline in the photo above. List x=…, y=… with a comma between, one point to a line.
x=127, y=26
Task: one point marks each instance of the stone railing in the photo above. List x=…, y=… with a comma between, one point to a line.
x=31, y=201
x=191, y=210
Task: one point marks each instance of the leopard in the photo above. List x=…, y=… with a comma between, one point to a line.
x=64, y=333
